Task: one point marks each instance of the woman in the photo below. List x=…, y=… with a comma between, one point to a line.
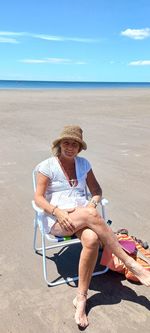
x=60, y=192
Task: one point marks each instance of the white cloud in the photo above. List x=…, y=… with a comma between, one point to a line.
x=52, y=61
x=11, y=33
x=140, y=63
x=58, y=61
x=32, y=61
x=64, y=39
x=5, y=36
x=136, y=33
x=8, y=40
x=83, y=40
x=49, y=37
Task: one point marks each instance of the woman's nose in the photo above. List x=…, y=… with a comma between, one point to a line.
x=70, y=145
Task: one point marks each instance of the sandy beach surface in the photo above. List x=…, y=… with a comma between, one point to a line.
x=116, y=126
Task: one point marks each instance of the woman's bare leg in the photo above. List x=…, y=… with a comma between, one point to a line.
x=87, y=262
x=89, y=217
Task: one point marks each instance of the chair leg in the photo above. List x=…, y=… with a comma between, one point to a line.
x=76, y=278
x=43, y=252
x=62, y=280
x=44, y=258
x=35, y=235
x=56, y=283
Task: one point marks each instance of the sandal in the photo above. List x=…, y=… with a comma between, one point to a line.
x=81, y=303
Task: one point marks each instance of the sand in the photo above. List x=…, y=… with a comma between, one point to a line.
x=116, y=126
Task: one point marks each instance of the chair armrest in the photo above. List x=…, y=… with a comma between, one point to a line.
x=36, y=208
x=104, y=202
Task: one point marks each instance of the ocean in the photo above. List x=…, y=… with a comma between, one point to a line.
x=18, y=84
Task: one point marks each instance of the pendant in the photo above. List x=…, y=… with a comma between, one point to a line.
x=73, y=182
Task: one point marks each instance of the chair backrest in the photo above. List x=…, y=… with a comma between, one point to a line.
x=34, y=174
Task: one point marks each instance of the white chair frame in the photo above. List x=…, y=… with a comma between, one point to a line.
x=54, y=243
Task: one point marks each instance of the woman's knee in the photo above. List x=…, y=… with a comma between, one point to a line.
x=89, y=215
x=89, y=239
x=92, y=211
x=94, y=216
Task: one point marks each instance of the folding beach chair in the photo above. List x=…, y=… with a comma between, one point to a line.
x=56, y=242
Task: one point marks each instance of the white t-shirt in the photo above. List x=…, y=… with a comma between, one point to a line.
x=59, y=190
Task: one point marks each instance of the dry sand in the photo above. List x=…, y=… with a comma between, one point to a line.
x=116, y=125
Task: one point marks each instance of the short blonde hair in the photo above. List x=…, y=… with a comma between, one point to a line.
x=56, y=150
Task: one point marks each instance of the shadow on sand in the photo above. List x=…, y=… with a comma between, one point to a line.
x=109, y=288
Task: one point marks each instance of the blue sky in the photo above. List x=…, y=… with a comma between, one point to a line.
x=75, y=40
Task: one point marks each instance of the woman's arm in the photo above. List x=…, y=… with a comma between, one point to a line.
x=42, y=183
x=94, y=188
x=61, y=215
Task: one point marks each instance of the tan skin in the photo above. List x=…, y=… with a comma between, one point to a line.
x=88, y=226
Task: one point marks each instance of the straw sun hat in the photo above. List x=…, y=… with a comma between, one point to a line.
x=71, y=132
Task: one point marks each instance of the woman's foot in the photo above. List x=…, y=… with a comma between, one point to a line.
x=140, y=272
x=80, y=304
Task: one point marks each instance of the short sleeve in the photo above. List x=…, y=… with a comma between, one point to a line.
x=45, y=169
x=84, y=167
x=87, y=165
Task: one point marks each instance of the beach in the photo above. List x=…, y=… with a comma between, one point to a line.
x=116, y=124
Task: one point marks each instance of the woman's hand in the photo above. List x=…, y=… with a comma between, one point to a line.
x=90, y=205
x=64, y=219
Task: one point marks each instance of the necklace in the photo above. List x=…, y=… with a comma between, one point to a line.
x=70, y=173
x=73, y=182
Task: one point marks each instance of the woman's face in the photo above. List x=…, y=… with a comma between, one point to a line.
x=69, y=148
